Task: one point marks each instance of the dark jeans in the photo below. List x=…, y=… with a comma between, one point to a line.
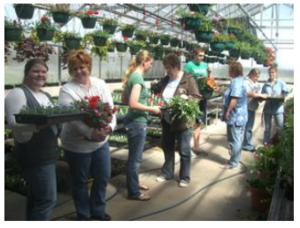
x=96, y=165
x=168, y=142
x=42, y=194
x=136, y=133
x=247, y=144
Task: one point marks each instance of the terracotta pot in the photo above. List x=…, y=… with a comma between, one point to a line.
x=260, y=199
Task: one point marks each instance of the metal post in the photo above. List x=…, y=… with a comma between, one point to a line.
x=99, y=67
x=59, y=66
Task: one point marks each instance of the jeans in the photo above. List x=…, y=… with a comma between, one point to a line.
x=168, y=143
x=136, y=133
x=235, y=135
x=268, y=125
x=96, y=165
x=247, y=144
x=42, y=194
x=203, y=109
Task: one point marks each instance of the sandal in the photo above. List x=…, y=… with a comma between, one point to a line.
x=142, y=197
x=143, y=187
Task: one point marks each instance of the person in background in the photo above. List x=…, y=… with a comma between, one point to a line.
x=135, y=121
x=200, y=71
x=86, y=149
x=253, y=92
x=274, y=87
x=176, y=83
x=235, y=113
x=36, y=146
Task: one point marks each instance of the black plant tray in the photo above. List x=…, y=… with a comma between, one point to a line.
x=275, y=99
x=48, y=119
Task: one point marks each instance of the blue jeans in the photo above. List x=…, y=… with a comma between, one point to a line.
x=96, y=165
x=268, y=125
x=235, y=135
x=42, y=192
x=247, y=144
x=168, y=143
x=203, y=109
x=136, y=133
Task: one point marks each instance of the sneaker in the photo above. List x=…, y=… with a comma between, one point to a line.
x=160, y=178
x=193, y=154
x=199, y=152
x=227, y=166
x=183, y=183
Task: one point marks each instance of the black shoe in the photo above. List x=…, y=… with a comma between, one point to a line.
x=105, y=217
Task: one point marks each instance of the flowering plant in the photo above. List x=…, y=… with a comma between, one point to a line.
x=99, y=114
x=45, y=23
x=207, y=86
x=87, y=13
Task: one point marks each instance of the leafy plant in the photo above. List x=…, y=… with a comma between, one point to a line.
x=182, y=13
x=12, y=24
x=101, y=33
x=65, y=8
x=135, y=42
x=110, y=21
x=48, y=110
x=45, y=23
x=143, y=33
x=71, y=35
x=206, y=25
x=88, y=13
x=128, y=27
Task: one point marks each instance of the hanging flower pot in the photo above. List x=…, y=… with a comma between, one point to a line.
x=45, y=34
x=100, y=41
x=24, y=11
x=235, y=53
x=200, y=8
x=72, y=43
x=229, y=45
x=109, y=28
x=204, y=36
x=190, y=23
x=174, y=42
x=88, y=22
x=245, y=55
x=165, y=40
x=153, y=39
x=217, y=46
x=233, y=30
x=121, y=47
x=13, y=34
x=60, y=17
x=134, y=49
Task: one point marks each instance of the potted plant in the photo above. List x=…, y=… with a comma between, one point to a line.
x=72, y=40
x=158, y=52
x=44, y=29
x=100, y=37
x=24, y=11
x=200, y=8
x=188, y=20
x=219, y=42
x=100, y=51
x=13, y=31
x=204, y=32
x=153, y=37
x=234, y=27
x=164, y=39
x=174, y=42
x=110, y=25
x=135, y=46
x=141, y=34
x=121, y=46
x=88, y=18
x=60, y=13
x=128, y=30
x=230, y=42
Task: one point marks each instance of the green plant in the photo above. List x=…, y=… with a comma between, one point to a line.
x=110, y=21
x=65, y=8
x=218, y=37
x=128, y=27
x=136, y=42
x=186, y=13
x=71, y=35
x=45, y=23
x=206, y=25
x=143, y=33
x=48, y=110
x=101, y=33
x=164, y=36
x=88, y=13
x=12, y=24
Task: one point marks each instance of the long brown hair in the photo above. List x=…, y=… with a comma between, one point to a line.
x=142, y=57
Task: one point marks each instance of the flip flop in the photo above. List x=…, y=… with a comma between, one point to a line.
x=143, y=187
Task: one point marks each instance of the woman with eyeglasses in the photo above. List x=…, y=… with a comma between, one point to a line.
x=253, y=92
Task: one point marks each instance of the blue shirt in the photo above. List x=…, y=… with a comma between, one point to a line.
x=279, y=89
x=239, y=115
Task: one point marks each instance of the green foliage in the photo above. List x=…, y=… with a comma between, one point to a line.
x=186, y=110
x=65, y=8
x=71, y=35
x=12, y=24
x=48, y=110
x=110, y=21
x=182, y=13
x=144, y=33
x=136, y=42
x=45, y=23
x=101, y=33
x=128, y=27
x=206, y=25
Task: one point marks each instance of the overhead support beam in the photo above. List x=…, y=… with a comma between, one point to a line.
x=256, y=25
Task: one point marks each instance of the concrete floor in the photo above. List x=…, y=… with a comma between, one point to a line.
x=214, y=194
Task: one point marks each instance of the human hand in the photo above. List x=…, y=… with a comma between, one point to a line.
x=184, y=96
x=263, y=95
x=156, y=110
x=154, y=82
x=98, y=135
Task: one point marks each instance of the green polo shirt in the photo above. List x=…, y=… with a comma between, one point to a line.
x=196, y=69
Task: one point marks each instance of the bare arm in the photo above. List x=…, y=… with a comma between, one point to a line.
x=232, y=104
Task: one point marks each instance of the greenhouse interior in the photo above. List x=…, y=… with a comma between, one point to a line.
x=110, y=105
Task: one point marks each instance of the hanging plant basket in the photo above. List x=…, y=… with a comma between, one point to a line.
x=190, y=23
x=127, y=32
x=24, y=11
x=60, y=17
x=174, y=42
x=164, y=40
x=200, y=8
x=140, y=37
x=12, y=34
x=233, y=30
x=100, y=41
x=110, y=28
x=229, y=45
x=217, y=46
x=154, y=40
x=234, y=53
x=121, y=47
x=204, y=36
x=88, y=22
x=72, y=43
x=45, y=34
x=134, y=49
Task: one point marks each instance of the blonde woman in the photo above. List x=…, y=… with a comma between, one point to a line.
x=135, y=121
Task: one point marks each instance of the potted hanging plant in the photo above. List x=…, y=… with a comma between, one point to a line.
x=158, y=52
x=135, y=46
x=24, y=11
x=60, y=13
x=153, y=37
x=174, y=42
x=128, y=30
x=141, y=34
x=234, y=27
x=72, y=40
x=88, y=18
x=44, y=29
x=204, y=32
x=190, y=21
x=230, y=42
x=13, y=31
x=164, y=39
x=219, y=42
x=121, y=46
x=100, y=37
x=109, y=25
x=200, y=8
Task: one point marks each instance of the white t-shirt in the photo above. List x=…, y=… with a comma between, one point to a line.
x=171, y=87
x=252, y=87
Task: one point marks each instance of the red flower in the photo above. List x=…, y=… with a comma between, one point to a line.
x=125, y=38
x=89, y=12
